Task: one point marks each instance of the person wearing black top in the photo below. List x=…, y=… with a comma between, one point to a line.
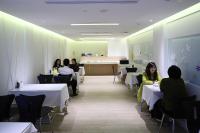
x=74, y=65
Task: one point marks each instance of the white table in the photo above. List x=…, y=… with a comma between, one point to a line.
x=17, y=127
x=81, y=71
x=122, y=68
x=131, y=79
x=151, y=94
x=56, y=94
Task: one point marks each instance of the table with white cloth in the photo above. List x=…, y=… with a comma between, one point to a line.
x=81, y=74
x=81, y=71
x=17, y=127
x=131, y=79
x=56, y=94
x=151, y=94
x=123, y=72
x=122, y=68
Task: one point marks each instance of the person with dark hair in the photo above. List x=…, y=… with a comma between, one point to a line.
x=149, y=77
x=173, y=88
x=74, y=65
x=67, y=71
x=56, y=66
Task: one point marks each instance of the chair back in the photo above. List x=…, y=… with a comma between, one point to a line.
x=133, y=69
x=29, y=107
x=63, y=78
x=5, y=105
x=81, y=65
x=45, y=79
x=183, y=109
x=192, y=109
x=197, y=105
x=124, y=62
x=139, y=79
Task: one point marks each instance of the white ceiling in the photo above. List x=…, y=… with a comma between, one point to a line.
x=58, y=17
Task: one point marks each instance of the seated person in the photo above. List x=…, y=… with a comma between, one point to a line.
x=57, y=64
x=173, y=88
x=149, y=77
x=74, y=65
x=67, y=71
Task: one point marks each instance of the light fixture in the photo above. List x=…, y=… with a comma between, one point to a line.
x=96, y=38
x=150, y=20
x=96, y=34
x=95, y=24
x=92, y=1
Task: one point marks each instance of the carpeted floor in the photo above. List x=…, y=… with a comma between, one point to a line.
x=104, y=107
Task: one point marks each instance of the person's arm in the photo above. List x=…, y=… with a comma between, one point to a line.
x=159, y=78
x=162, y=85
x=145, y=80
x=73, y=74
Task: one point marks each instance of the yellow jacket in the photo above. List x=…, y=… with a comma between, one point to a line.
x=145, y=81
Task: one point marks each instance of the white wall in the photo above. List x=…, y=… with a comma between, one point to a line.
x=183, y=27
x=26, y=51
x=117, y=47
x=186, y=26
x=159, y=48
x=154, y=42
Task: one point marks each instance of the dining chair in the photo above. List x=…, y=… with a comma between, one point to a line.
x=45, y=79
x=5, y=106
x=31, y=110
x=180, y=111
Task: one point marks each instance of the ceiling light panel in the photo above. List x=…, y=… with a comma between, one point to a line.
x=96, y=34
x=96, y=24
x=91, y=1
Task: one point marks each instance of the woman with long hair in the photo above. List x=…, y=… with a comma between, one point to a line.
x=149, y=77
x=56, y=65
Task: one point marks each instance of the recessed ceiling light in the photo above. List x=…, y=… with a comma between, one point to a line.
x=151, y=20
x=125, y=32
x=96, y=24
x=84, y=10
x=103, y=10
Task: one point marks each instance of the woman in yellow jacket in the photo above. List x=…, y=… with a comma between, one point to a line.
x=149, y=77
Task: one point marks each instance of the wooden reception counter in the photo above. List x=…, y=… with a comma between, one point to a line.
x=95, y=66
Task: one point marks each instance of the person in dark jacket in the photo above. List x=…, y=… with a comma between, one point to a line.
x=74, y=65
x=173, y=88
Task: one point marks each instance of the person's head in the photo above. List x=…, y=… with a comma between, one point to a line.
x=73, y=61
x=151, y=70
x=57, y=63
x=66, y=62
x=174, y=72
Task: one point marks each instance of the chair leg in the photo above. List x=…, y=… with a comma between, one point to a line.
x=141, y=105
x=163, y=117
x=51, y=123
x=173, y=125
x=40, y=123
x=114, y=79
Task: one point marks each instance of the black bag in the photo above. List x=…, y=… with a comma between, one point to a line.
x=156, y=112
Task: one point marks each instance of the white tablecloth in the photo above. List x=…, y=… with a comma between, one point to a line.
x=81, y=71
x=151, y=94
x=122, y=68
x=56, y=94
x=131, y=79
x=17, y=127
